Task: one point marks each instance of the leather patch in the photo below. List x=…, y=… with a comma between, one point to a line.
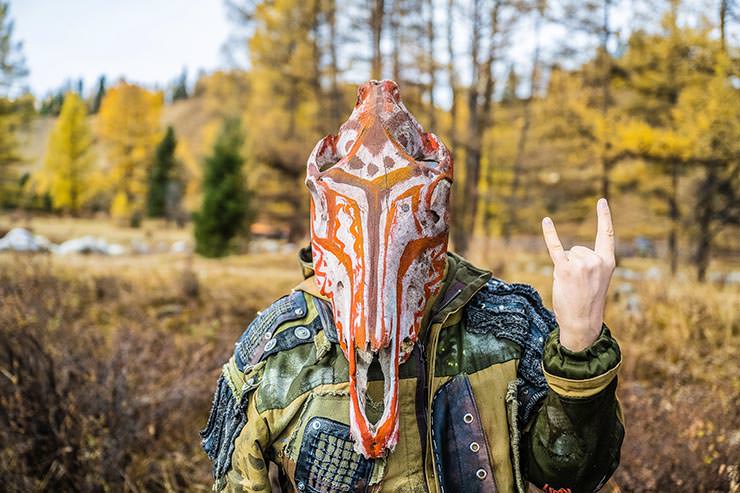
x=459, y=444
x=291, y=337
x=327, y=462
x=327, y=319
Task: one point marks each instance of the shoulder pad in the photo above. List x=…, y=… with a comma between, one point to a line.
x=253, y=343
x=515, y=312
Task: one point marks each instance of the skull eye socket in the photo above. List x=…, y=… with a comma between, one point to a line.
x=327, y=165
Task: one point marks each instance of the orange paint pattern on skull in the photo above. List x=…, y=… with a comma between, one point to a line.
x=379, y=228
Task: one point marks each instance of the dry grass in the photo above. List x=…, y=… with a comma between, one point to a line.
x=107, y=366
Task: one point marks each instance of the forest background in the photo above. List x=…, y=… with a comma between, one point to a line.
x=107, y=362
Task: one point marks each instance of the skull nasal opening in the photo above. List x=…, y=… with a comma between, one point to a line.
x=375, y=394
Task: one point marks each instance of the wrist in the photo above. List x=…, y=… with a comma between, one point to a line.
x=577, y=338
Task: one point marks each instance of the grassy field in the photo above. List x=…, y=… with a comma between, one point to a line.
x=107, y=364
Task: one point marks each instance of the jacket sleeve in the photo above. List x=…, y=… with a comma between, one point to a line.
x=572, y=442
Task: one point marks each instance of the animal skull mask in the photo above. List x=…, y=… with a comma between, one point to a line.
x=379, y=228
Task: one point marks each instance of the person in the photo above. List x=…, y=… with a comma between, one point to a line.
x=398, y=366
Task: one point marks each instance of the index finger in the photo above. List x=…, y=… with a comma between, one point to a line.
x=604, y=245
x=554, y=247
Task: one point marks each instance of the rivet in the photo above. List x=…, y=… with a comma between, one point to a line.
x=481, y=473
x=270, y=344
x=298, y=311
x=468, y=418
x=301, y=485
x=268, y=335
x=474, y=447
x=302, y=332
x=316, y=425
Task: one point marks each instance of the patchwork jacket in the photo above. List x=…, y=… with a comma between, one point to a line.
x=489, y=400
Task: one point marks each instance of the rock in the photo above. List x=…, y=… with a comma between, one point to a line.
x=90, y=244
x=180, y=246
x=22, y=240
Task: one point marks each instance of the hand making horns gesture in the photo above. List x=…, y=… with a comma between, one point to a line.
x=581, y=280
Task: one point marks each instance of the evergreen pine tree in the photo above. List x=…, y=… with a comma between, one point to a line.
x=225, y=209
x=161, y=175
x=98, y=95
x=181, y=87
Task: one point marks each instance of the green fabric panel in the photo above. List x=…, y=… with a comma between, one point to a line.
x=598, y=358
x=574, y=443
x=481, y=351
x=290, y=373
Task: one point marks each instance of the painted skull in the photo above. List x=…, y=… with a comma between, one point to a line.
x=379, y=228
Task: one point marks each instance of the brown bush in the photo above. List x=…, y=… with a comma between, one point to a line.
x=106, y=375
x=103, y=385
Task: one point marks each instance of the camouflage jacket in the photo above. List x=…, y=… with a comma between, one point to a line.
x=488, y=400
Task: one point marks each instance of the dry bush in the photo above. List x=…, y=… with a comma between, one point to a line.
x=106, y=374
x=680, y=386
x=104, y=382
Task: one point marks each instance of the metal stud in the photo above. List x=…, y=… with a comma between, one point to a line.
x=316, y=425
x=301, y=485
x=268, y=335
x=302, y=332
x=474, y=447
x=270, y=344
x=481, y=473
x=468, y=418
x=298, y=311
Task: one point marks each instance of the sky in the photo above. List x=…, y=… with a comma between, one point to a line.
x=151, y=41
x=72, y=39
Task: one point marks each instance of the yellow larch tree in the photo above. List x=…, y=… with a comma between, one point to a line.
x=129, y=126
x=69, y=158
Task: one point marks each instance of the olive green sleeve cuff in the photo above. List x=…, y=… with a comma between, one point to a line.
x=583, y=373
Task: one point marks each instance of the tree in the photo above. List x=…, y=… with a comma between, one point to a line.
x=69, y=159
x=514, y=200
x=594, y=19
x=12, y=62
x=377, y=11
x=657, y=69
x=14, y=110
x=708, y=119
x=99, y=95
x=286, y=104
x=180, y=90
x=129, y=127
x=491, y=22
x=161, y=176
x=226, y=202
